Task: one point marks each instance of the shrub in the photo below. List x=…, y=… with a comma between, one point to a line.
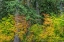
x=58, y=23
x=54, y=27
x=35, y=31
x=7, y=29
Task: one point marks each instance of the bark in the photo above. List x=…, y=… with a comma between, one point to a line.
x=28, y=3
x=16, y=39
x=61, y=7
x=38, y=11
x=37, y=7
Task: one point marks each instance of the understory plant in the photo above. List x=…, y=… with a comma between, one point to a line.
x=51, y=30
x=7, y=29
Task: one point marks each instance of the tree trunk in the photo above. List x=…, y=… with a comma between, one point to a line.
x=38, y=11
x=37, y=7
x=16, y=39
x=28, y=3
x=61, y=7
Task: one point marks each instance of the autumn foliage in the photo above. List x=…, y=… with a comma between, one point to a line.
x=51, y=30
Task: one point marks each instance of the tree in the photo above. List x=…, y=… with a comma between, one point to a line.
x=2, y=9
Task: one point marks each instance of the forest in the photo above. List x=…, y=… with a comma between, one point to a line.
x=31, y=20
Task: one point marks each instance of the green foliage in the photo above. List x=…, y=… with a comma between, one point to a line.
x=34, y=32
x=36, y=29
x=7, y=29
x=49, y=6
x=50, y=31
x=54, y=27
x=59, y=25
x=30, y=13
x=2, y=9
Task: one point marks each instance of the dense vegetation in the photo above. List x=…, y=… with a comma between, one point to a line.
x=32, y=20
